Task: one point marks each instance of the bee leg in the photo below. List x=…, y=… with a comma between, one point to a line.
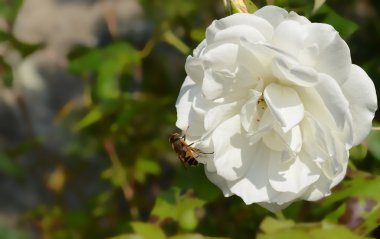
x=184, y=135
x=199, y=152
x=194, y=142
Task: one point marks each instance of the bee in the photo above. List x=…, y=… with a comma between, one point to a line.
x=186, y=153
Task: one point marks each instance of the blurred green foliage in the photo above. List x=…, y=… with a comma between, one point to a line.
x=127, y=114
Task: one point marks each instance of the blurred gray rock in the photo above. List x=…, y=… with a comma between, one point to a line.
x=42, y=86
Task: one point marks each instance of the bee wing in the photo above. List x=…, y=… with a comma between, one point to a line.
x=196, y=152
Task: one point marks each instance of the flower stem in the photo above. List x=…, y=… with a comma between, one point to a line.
x=173, y=40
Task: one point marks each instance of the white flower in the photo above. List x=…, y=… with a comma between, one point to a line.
x=278, y=101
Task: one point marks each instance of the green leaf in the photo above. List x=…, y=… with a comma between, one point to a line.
x=6, y=73
x=270, y=224
x=127, y=236
x=109, y=64
x=102, y=203
x=373, y=142
x=288, y=229
x=361, y=197
x=9, y=9
x=91, y=117
x=165, y=206
x=344, y=26
x=360, y=184
x=334, y=232
x=194, y=236
x=76, y=219
x=173, y=205
x=4, y=36
x=371, y=222
x=117, y=175
x=358, y=152
x=25, y=48
x=196, y=180
x=97, y=113
x=9, y=166
x=148, y=231
x=90, y=60
x=171, y=10
x=187, y=219
x=145, y=167
x=87, y=62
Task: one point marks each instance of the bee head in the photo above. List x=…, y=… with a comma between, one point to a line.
x=174, y=137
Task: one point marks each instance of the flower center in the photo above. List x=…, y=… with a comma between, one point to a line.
x=261, y=107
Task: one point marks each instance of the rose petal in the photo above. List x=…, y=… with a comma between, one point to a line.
x=248, y=110
x=220, y=56
x=291, y=176
x=219, y=113
x=225, y=84
x=265, y=125
x=318, y=141
x=360, y=90
x=285, y=105
x=293, y=139
x=325, y=150
x=275, y=15
x=280, y=141
x=254, y=186
x=334, y=99
x=289, y=36
x=236, y=32
x=295, y=74
x=184, y=102
x=273, y=141
x=240, y=19
x=228, y=146
x=334, y=55
x=194, y=68
x=199, y=49
x=318, y=190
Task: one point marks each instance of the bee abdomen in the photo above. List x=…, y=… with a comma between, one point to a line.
x=191, y=161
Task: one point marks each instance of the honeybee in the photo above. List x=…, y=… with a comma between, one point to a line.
x=186, y=153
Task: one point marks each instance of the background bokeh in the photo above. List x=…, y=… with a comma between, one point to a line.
x=87, y=95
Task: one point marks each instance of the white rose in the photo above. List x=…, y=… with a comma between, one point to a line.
x=277, y=100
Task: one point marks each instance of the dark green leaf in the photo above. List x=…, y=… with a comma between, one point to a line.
x=9, y=9
x=9, y=166
x=6, y=73
x=4, y=36
x=344, y=26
